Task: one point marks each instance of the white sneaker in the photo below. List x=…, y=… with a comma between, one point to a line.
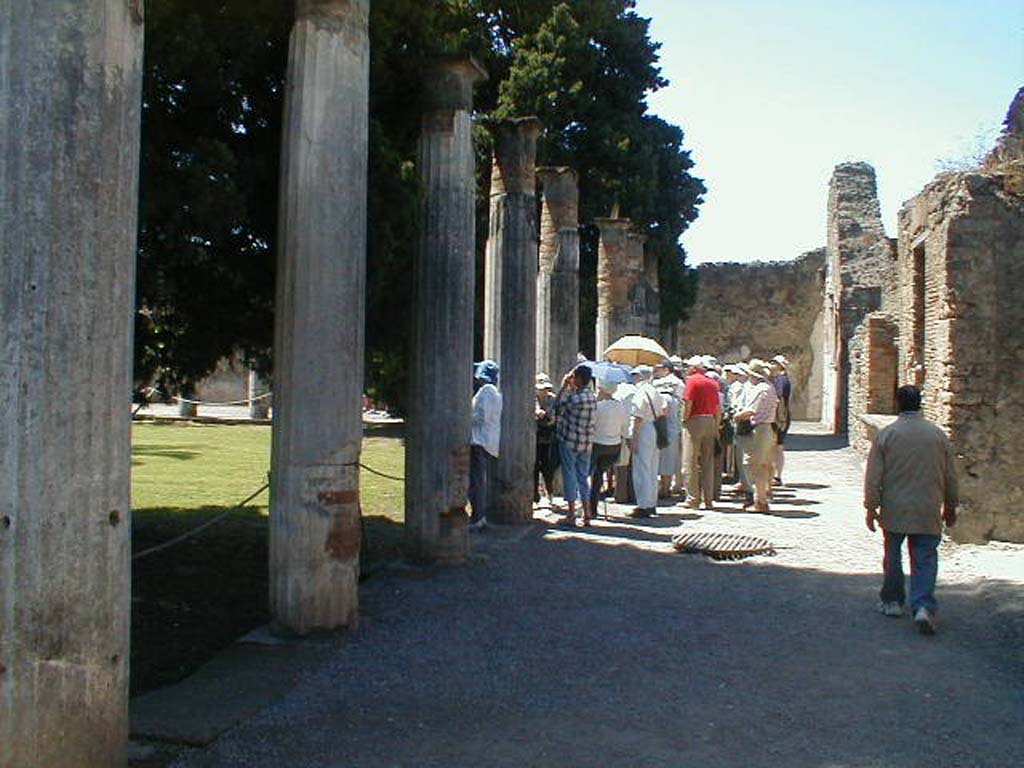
x=923, y=621
x=893, y=610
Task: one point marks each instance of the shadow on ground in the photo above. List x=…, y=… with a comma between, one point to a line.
x=565, y=651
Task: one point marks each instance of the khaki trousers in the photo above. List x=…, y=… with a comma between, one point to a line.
x=700, y=458
x=759, y=462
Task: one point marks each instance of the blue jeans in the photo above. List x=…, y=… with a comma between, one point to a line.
x=924, y=568
x=575, y=473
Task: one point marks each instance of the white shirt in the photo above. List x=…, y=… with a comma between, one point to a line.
x=487, y=418
x=646, y=397
x=611, y=424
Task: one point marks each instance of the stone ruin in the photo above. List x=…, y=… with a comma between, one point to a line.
x=937, y=306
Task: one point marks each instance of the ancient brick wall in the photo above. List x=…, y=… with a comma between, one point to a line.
x=874, y=369
x=859, y=277
x=961, y=266
x=760, y=310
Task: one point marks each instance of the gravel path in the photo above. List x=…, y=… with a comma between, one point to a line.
x=606, y=648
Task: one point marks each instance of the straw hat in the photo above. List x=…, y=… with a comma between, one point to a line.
x=543, y=382
x=782, y=361
x=760, y=369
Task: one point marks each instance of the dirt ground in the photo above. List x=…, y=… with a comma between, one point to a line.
x=604, y=647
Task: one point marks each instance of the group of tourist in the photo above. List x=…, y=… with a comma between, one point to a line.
x=672, y=429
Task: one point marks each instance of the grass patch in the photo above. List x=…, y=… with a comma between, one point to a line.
x=193, y=599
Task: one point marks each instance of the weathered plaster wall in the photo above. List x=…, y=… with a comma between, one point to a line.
x=963, y=332
x=760, y=310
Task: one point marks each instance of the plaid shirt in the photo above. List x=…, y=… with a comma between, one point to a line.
x=576, y=410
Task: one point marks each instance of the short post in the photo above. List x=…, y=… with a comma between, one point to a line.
x=259, y=397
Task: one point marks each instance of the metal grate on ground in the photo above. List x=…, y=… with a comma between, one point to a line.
x=721, y=546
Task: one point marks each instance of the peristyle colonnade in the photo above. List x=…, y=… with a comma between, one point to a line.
x=69, y=180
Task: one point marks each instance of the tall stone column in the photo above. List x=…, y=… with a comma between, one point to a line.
x=558, y=279
x=510, y=313
x=617, y=282
x=318, y=335
x=439, y=423
x=510, y=307
x=70, y=100
x=652, y=292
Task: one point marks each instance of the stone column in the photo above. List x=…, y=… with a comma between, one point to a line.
x=558, y=279
x=259, y=406
x=70, y=99
x=318, y=335
x=510, y=307
x=438, y=428
x=652, y=292
x=616, y=283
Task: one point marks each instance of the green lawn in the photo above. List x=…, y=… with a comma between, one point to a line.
x=193, y=599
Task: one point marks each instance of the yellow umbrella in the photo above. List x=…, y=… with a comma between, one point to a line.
x=636, y=350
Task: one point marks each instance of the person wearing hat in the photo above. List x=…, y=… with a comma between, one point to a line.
x=546, y=461
x=740, y=392
x=783, y=388
x=702, y=408
x=486, y=437
x=670, y=458
x=575, y=409
x=647, y=405
x=759, y=412
x=611, y=427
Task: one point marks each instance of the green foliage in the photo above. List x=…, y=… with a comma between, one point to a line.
x=211, y=135
x=211, y=140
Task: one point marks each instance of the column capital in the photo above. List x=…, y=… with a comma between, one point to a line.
x=328, y=9
x=449, y=83
x=560, y=186
x=606, y=224
x=515, y=151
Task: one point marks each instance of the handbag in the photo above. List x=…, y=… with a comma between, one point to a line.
x=745, y=427
x=660, y=426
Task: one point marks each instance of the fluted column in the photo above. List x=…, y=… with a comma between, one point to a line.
x=617, y=281
x=510, y=307
x=439, y=423
x=70, y=101
x=558, y=279
x=319, y=317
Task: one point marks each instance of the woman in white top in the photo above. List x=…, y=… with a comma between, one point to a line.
x=611, y=427
x=648, y=404
x=670, y=458
x=485, y=439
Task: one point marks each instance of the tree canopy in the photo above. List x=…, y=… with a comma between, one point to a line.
x=211, y=142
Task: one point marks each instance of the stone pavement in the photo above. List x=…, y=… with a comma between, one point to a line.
x=603, y=647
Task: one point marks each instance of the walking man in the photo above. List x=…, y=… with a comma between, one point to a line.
x=575, y=411
x=910, y=489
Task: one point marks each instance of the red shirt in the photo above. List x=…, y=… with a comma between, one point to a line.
x=702, y=392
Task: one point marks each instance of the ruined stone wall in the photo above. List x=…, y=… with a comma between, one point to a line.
x=760, y=310
x=859, y=277
x=874, y=370
x=961, y=265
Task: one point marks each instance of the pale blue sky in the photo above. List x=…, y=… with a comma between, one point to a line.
x=772, y=95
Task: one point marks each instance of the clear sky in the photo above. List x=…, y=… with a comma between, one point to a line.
x=773, y=94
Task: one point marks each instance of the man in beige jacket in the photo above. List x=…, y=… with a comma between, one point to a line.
x=911, y=489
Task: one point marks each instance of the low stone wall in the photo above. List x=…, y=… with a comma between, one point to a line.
x=760, y=310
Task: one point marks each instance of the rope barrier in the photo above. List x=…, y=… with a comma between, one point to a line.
x=151, y=390
x=373, y=471
x=199, y=529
